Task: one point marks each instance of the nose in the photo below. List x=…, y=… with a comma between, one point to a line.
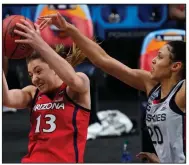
x=154, y=60
x=35, y=79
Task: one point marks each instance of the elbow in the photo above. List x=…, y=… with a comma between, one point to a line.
x=5, y=102
x=72, y=82
x=78, y=84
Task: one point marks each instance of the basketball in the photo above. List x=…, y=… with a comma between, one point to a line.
x=11, y=49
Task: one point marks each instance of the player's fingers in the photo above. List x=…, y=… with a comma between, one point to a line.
x=40, y=18
x=37, y=28
x=26, y=23
x=23, y=27
x=45, y=24
x=21, y=33
x=142, y=155
x=60, y=18
x=42, y=23
x=59, y=15
x=26, y=41
x=47, y=16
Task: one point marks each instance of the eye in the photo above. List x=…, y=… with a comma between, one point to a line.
x=159, y=56
x=30, y=75
x=38, y=72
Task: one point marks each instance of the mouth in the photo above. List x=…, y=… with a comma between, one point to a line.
x=40, y=85
x=152, y=69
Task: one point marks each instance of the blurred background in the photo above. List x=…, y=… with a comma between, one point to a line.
x=129, y=33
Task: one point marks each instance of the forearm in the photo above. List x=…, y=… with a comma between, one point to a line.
x=135, y=78
x=64, y=70
x=91, y=49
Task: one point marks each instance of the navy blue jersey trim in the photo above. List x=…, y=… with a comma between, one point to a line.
x=75, y=134
x=174, y=107
x=163, y=99
x=77, y=105
x=184, y=134
x=153, y=89
x=34, y=100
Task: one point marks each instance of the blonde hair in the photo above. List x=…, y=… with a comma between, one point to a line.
x=74, y=57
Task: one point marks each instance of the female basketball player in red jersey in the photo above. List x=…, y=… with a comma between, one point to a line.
x=164, y=86
x=59, y=100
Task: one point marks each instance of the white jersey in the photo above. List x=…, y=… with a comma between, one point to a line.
x=166, y=125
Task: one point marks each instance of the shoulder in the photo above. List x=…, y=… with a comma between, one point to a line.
x=84, y=80
x=83, y=76
x=180, y=98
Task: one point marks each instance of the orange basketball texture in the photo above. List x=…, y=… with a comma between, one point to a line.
x=10, y=48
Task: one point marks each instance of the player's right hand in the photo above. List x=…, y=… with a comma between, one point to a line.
x=53, y=19
x=151, y=157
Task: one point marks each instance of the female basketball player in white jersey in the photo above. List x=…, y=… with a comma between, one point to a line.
x=164, y=86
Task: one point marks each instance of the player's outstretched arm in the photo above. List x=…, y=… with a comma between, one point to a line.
x=17, y=98
x=77, y=82
x=138, y=79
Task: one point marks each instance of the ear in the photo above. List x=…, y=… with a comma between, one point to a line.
x=176, y=66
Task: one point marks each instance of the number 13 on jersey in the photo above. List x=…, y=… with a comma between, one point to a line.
x=49, y=120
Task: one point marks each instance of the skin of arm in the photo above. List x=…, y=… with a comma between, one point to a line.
x=17, y=98
x=135, y=78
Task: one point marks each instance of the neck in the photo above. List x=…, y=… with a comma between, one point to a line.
x=167, y=85
x=57, y=83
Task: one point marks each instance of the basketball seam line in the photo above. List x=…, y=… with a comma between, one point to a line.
x=17, y=44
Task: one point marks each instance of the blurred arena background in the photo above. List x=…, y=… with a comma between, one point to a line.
x=130, y=33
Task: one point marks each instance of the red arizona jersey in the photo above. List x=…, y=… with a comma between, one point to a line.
x=58, y=130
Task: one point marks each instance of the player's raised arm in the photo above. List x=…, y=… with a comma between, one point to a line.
x=138, y=79
x=77, y=82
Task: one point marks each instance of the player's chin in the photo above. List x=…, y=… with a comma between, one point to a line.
x=43, y=89
x=153, y=76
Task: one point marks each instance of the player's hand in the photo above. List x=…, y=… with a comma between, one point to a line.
x=30, y=35
x=151, y=157
x=53, y=19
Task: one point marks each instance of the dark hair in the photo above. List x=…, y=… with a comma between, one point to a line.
x=178, y=51
x=74, y=57
x=35, y=55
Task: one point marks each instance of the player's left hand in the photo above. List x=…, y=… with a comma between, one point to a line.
x=53, y=19
x=151, y=157
x=30, y=35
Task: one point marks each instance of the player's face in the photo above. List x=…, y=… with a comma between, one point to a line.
x=41, y=74
x=161, y=64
